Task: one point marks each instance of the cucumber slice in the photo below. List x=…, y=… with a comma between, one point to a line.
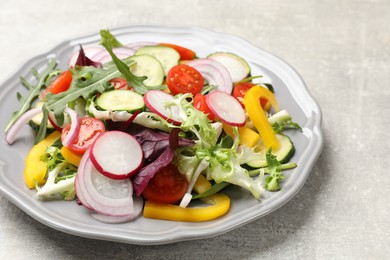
x=120, y=99
x=147, y=65
x=238, y=68
x=167, y=56
x=284, y=154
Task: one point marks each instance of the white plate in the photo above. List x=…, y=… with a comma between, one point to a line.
x=68, y=217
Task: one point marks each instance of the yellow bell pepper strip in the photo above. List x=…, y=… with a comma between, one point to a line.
x=220, y=204
x=35, y=170
x=257, y=115
x=70, y=156
x=248, y=137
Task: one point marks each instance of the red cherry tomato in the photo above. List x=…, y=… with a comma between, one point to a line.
x=168, y=185
x=120, y=83
x=60, y=84
x=90, y=129
x=184, y=79
x=201, y=105
x=240, y=90
x=185, y=54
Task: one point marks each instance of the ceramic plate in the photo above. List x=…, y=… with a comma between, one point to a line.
x=68, y=217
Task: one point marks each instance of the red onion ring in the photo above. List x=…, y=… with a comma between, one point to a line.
x=103, y=56
x=138, y=206
x=136, y=45
x=18, y=125
x=74, y=127
x=214, y=72
x=95, y=197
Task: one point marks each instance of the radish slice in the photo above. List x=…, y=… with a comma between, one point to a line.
x=103, y=56
x=155, y=101
x=138, y=205
x=136, y=45
x=214, y=72
x=18, y=125
x=116, y=155
x=74, y=127
x=89, y=52
x=226, y=107
x=104, y=195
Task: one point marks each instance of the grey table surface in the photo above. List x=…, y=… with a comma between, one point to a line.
x=342, y=50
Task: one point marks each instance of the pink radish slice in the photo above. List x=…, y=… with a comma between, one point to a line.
x=214, y=72
x=89, y=52
x=116, y=155
x=18, y=125
x=155, y=101
x=103, y=56
x=136, y=45
x=74, y=127
x=226, y=107
x=104, y=195
x=138, y=206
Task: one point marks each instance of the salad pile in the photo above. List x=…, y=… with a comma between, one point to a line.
x=150, y=128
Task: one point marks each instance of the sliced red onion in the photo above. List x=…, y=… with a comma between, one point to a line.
x=103, y=56
x=18, y=125
x=79, y=191
x=74, y=127
x=53, y=121
x=138, y=206
x=186, y=200
x=104, y=195
x=214, y=72
x=89, y=51
x=136, y=45
x=187, y=197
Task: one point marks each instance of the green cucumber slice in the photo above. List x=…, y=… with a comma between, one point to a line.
x=237, y=66
x=147, y=65
x=167, y=56
x=119, y=100
x=284, y=154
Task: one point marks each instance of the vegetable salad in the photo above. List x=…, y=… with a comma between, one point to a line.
x=147, y=128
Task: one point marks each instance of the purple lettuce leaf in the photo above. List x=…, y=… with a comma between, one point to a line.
x=83, y=60
x=159, y=151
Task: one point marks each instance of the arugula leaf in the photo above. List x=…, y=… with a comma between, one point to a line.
x=108, y=41
x=281, y=126
x=34, y=91
x=43, y=126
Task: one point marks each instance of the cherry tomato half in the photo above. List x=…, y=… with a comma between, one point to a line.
x=168, y=185
x=184, y=79
x=201, y=105
x=90, y=129
x=240, y=90
x=60, y=84
x=120, y=83
x=185, y=54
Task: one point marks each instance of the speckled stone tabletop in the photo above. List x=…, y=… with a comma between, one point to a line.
x=341, y=48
